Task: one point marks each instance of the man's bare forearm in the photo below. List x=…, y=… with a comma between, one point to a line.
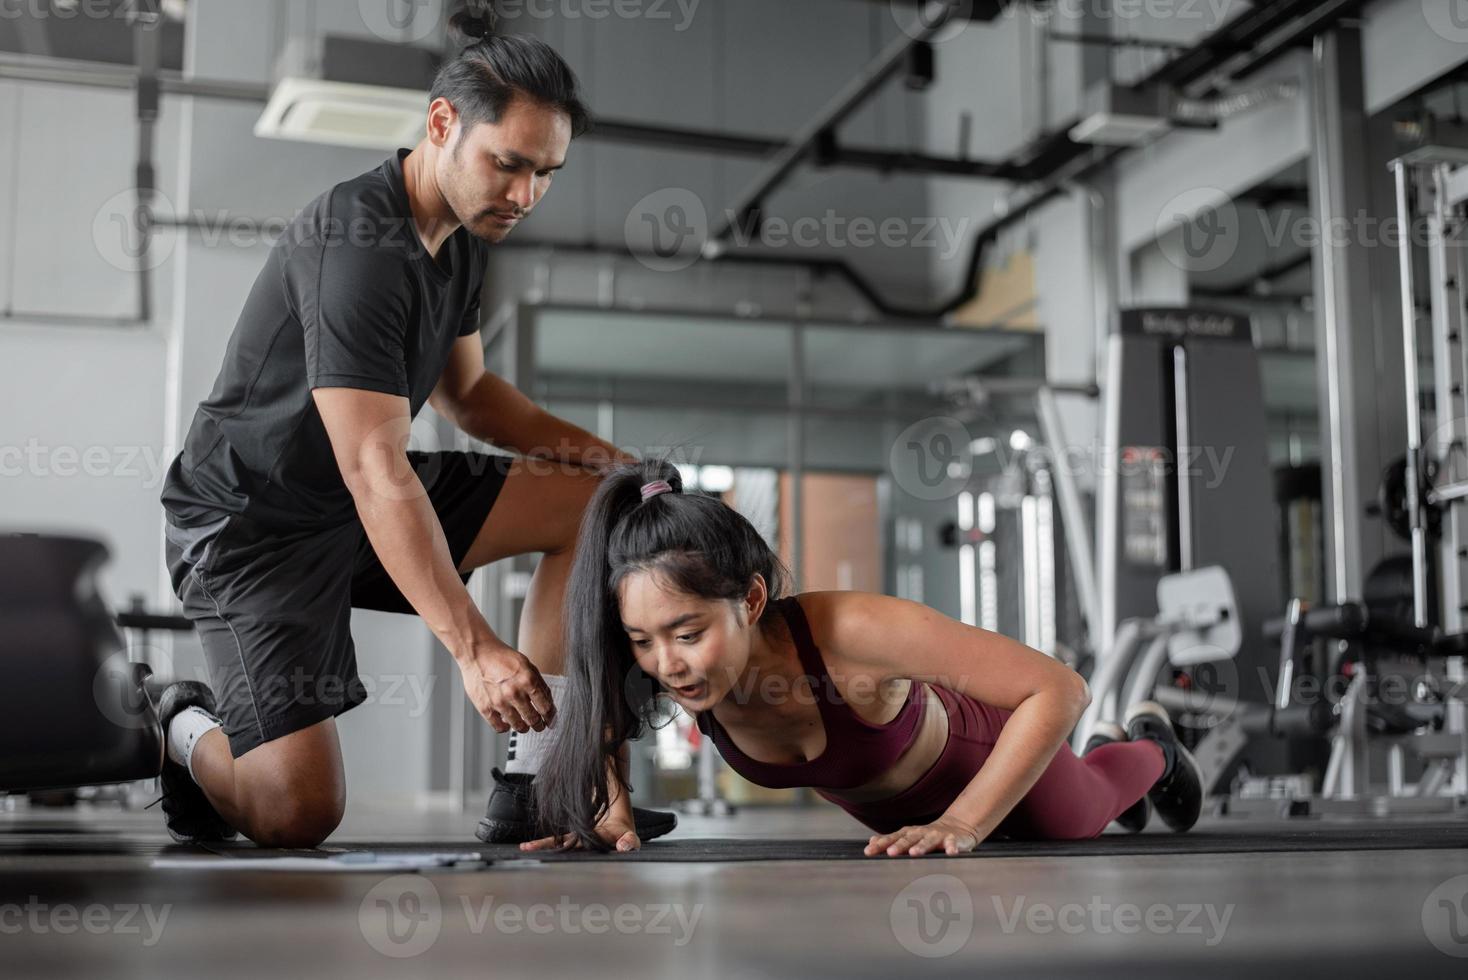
x=405, y=532
x=498, y=413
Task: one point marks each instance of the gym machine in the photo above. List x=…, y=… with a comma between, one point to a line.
x=1383, y=677
x=1187, y=528
x=77, y=712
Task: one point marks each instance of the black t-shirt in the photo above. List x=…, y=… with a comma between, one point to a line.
x=349, y=298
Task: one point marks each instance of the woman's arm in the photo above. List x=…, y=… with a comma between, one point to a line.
x=894, y=638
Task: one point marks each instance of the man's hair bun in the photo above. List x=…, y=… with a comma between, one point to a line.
x=474, y=23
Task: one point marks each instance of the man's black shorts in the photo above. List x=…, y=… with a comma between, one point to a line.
x=273, y=608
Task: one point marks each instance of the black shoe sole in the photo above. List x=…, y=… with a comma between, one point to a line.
x=181, y=794
x=1178, y=795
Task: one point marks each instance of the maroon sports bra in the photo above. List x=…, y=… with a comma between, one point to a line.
x=856, y=752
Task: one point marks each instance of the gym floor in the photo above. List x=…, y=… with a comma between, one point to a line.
x=91, y=901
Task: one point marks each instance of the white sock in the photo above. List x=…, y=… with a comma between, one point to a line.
x=530, y=750
x=184, y=732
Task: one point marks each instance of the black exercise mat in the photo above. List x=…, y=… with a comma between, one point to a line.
x=1274, y=838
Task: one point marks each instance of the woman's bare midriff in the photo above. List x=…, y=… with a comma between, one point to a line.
x=926, y=747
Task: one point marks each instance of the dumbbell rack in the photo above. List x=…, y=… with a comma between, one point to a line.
x=1435, y=178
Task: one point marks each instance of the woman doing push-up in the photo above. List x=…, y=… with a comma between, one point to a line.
x=934, y=734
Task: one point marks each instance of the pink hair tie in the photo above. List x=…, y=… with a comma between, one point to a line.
x=656, y=487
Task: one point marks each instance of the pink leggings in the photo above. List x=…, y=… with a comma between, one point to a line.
x=1074, y=799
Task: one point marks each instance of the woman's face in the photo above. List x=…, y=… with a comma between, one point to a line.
x=696, y=648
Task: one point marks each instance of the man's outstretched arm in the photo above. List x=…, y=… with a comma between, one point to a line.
x=369, y=438
x=491, y=409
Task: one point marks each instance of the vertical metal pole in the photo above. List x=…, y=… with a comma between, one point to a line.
x=1030, y=583
x=1108, y=501
x=1450, y=376
x=1414, y=411
x=1181, y=463
x=1359, y=425
x=1073, y=516
x=796, y=451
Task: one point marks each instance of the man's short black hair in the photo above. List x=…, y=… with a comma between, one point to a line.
x=492, y=70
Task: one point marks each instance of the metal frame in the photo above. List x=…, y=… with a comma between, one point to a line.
x=1339, y=188
x=933, y=18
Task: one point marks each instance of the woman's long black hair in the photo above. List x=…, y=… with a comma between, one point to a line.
x=694, y=543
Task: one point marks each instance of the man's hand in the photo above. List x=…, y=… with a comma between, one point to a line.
x=946, y=834
x=507, y=690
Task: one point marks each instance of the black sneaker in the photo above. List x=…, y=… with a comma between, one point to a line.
x=1178, y=794
x=188, y=812
x=1134, y=818
x=510, y=816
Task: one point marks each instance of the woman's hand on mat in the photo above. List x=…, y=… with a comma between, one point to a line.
x=617, y=832
x=946, y=834
x=507, y=690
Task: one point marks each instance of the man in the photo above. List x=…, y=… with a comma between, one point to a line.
x=295, y=499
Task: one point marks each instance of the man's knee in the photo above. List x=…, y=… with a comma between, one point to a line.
x=293, y=789
x=297, y=816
